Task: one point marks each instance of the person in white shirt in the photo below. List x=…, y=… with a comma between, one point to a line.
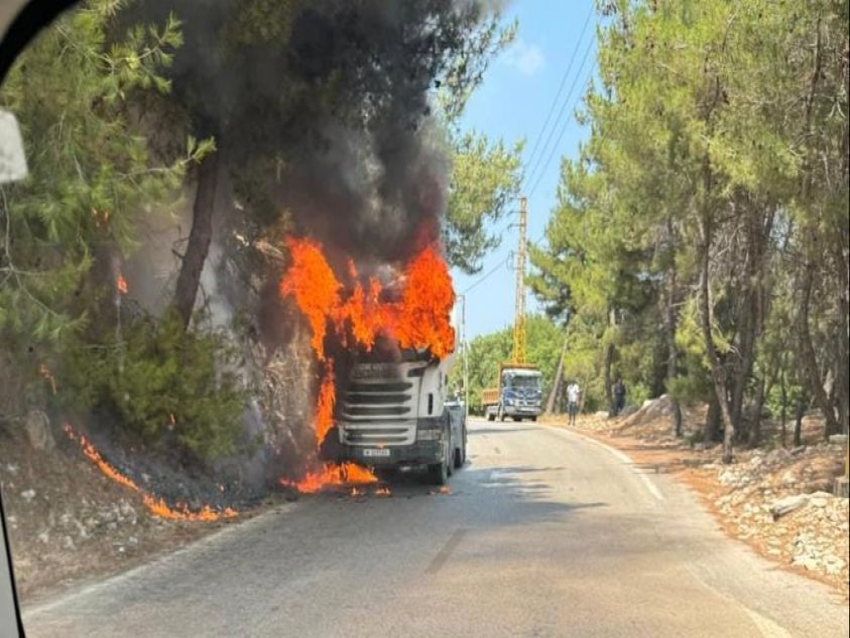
x=573, y=400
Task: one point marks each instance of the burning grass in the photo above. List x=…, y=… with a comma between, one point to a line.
x=156, y=506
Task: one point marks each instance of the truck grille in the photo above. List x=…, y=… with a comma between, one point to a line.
x=379, y=412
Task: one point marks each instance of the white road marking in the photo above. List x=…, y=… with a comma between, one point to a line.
x=651, y=487
x=766, y=626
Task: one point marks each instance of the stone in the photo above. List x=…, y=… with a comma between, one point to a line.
x=834, y=565
x=820, y=499
x=789, y=478
x=68, y=543
x=787, y=505
x=44, y=537
x=28, y=495
x=37, y=427
x=808, y=562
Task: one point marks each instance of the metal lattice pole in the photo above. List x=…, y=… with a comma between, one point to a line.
x=519, y=314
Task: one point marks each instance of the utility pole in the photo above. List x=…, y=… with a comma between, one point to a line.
x=519, y=314
x=464, y=348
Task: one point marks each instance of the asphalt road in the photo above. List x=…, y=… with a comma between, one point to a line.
x=544, y=534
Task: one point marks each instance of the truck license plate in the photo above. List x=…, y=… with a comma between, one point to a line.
x=379, y=452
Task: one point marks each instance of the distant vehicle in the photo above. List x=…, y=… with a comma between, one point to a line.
x=519, y=395
x=457, y=411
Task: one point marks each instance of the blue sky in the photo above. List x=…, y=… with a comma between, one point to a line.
x=518, y=92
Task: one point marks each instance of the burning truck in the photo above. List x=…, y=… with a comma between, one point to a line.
x=384, y=345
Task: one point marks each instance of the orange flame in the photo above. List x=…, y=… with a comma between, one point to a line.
x=311, y=282
x=383, y=491
x=419, y=319
x=121, y=284
x=325, y=404
x=157, y=506
x=331, y=475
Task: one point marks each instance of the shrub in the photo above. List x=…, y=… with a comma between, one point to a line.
x=160, y=381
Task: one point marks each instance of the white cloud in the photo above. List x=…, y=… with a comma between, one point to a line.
x=524, y=57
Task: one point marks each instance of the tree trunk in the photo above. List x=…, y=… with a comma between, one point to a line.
x=754, y=434
x=784, y=409
x=712, y=421
x=200, y=237
x=842, y=371
x=812, y=375
x=718, y=370
x=609, y=393
x=798, y=422
x=559, y=377
x=670, y=323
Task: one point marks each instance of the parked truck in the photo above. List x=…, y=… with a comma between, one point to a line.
x=393, y=413
x=519, y=394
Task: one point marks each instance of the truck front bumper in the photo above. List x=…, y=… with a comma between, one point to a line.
x=523, y=410
x=419, y=453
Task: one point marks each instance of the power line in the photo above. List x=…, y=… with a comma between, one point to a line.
x=560, y=88
x=558, y=119
x=557, y=143
x=486, y=275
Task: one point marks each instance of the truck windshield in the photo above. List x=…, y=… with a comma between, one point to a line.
x=524, y=382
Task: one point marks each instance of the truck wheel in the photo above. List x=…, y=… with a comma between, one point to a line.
x=438, y=473
x=491, y=416
x=534, y=418
x=450, y=456
x=502, y=416
x=463, y=449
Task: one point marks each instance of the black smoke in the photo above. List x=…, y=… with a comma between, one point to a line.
x=325, y=106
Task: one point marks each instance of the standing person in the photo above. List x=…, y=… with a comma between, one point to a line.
x=619, y=396
x=573, y=399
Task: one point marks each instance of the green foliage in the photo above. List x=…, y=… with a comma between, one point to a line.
x=91, y=173
x=715, y=172
x=485, y=181
x=162, y=384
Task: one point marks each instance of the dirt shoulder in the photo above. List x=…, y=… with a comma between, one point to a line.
x=811, y=538
x=68, y=523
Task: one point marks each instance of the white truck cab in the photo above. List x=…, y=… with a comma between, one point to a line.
x=392, y=413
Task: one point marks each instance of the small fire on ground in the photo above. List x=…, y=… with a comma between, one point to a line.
x=331, y=475
x=157, y=506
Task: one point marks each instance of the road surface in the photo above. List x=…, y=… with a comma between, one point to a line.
x=545, y=533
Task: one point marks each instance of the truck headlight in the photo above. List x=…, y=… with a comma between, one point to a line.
x=430, y=434
x=509, y=401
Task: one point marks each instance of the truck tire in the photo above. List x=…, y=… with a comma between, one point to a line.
x=502, y=415
x=438, y=473
x=491, y=416
x=460, y=454
x=534, y=418
x=450, y=454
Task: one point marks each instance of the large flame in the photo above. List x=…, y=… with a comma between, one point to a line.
x=311, y=282
x=417, y=317
x=157, y=506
